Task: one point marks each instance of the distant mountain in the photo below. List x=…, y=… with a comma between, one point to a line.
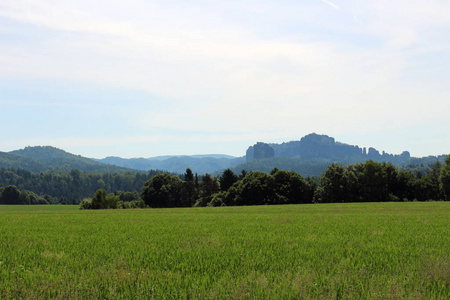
x=315, y=146
x=312, y=154
x=42, y=158
x=197, y=163
x=309, y=156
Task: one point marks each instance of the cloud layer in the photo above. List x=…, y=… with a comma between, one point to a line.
x=143, y=77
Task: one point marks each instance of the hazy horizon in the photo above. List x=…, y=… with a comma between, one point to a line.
x=154, y=78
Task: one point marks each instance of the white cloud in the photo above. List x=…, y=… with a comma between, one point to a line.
x=335, y=6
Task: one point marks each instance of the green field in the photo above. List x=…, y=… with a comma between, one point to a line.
x=322, y=251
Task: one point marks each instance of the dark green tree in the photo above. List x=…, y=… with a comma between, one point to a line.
x=432, y=178
x=406, y=186
x=208, y=187
x=353, y=185
x=49, y=199
x=290, y=188
x=312, y=185
x=128, y=196
x=445, y=179
x=374, y=182
x=189, y=176
x=333, y=185
x=243, y=174
x=189, y=190
x=256, y=188
x=99, y=200
x=227, y=179
x=162, y=190
x=10, y=195
x=274, y=170
x=111, y=201
x=27, y=197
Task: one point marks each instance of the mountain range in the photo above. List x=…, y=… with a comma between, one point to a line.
x=43, y=158
x=177, y=164
x=309, y=156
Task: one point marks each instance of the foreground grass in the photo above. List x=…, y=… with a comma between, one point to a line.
x=366, y=251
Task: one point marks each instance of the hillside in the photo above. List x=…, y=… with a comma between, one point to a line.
x=14, y=161
x=42, y=158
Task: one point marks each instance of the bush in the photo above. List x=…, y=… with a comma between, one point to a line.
x=132, y=204
x=86, y=203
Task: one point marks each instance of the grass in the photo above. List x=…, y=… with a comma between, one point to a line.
x=324, y=251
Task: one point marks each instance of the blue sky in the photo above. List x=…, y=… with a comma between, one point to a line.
x=145, y=78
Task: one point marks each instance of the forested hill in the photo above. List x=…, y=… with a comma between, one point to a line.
x=13, y=161
x=43, y=158
x=312, y=154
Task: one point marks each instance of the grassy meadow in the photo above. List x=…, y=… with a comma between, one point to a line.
x=322, y=251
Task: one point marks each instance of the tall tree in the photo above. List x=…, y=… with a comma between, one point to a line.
x=189, y=192
x=290, y=187
x=432, y=178
x=445, y=179
x=333, y=184
x=189, y=176
x=374, y=182
x=227, y=179
x=10, y=195
x=208, y=187
x=256, y=188
x=162, y=190
x=99, y=200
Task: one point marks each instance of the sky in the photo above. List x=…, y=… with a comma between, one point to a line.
x=142, y=78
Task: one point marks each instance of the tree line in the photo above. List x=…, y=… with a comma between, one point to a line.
x=362, y=182
x=12, y=195
x=71, y=187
